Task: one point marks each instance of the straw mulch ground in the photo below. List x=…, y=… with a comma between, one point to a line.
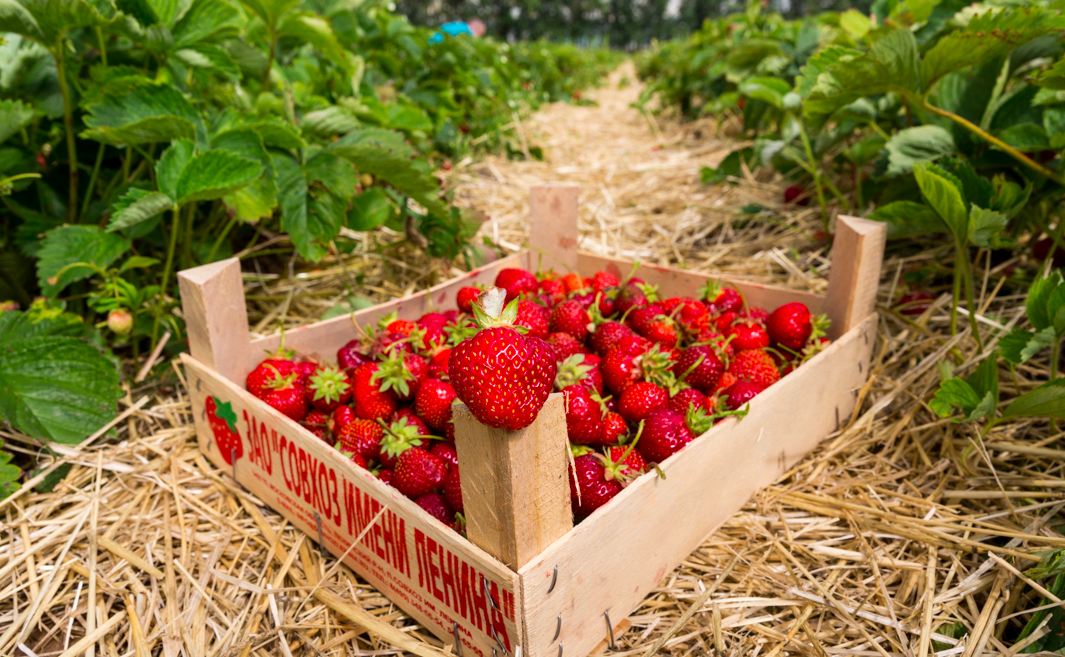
x=897, y=535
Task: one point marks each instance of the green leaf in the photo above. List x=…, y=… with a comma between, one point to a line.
x=408, y=118
x=944, y=195
x=209, y=57
x=137, y=205
x=386, y=154
x=369, y=210
x=818, y=63
x=42, y=319
x=1019, y=345
x=334, y=172
x=53, y=18
x=897, y=52
x=9, y=475
x=138, y=262
x=954, y=393
x=989, y=35
x=295, y=219
x=1053, y=77
x=909, y=146
x=1038, y=301
x=1048, y=400
x=766, y=89
x=332, y=120
x=346, y=307
x=855, y=23
x=146, y=114
x=258, y=199
x=207, y=19
x=14, y=116
x=317, y=32
x=1025, y=137
x=975, y=189
x=731, y=166
x=985, y=225
x=908, y=219
x=984, y=379
x=17, y=19
x=67, y=245
x=270, y=11
x=59, y=388
x=214, y=174
x=170, y=165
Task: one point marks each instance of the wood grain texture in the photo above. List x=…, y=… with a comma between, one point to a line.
x=611, y=560
x=212, y=302
x=553, y=226
x=857, y=255
x=421, y=565
x=679, y=282
x=320, y=341
x=515, y=486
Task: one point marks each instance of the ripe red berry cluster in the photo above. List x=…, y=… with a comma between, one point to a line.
x=642, y=377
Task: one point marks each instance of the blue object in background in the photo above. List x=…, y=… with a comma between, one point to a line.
x=454, y=29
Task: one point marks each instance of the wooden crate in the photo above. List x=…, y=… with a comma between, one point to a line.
x=527, y=577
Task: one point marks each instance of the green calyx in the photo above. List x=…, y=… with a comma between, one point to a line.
x=280, y=382
x=492, y=311
x=820, y=324
x=571, y=371
x=655, y=365
x=698, y=420
x=619, y=470
x=393, y=373
x=459, y=333
x=710, y=290
x=281, y=353
x=579, y=450
x=400, y=436
x=329, y=384
x=387, y=319
x=649, y=291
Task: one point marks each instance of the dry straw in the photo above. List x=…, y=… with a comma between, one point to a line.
x=898, y=536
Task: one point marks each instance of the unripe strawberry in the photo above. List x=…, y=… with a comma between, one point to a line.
x=120, y=321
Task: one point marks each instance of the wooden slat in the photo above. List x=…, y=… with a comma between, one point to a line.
x=320, y=341
x=679, y=282
x=212, y=302
x=610, y=561
x=857, y=253
x=515, y=485
x=424, y=567
x=553, y=226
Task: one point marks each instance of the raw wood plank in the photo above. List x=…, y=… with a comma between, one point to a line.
x=212, y=301
x=320, y=341
x=605, y=565
x=553, y=226
x=678, y=282
x=857, y=253
x=421, y=565
x=515, y=486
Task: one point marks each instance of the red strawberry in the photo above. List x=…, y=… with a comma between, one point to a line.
x=577, y=370
x=351, y=355
x=603, y=280
x=401, y=373
x=790, y=326
x=387, y=342
x=583, y=416
x=620, y=370
x=516, y=282
x=724, y=320
x=288, y=396
x=755, y=314
x=412, y=419
x=438, y=365
x=465, y=297
x=754, y=366
x=223, y=423
x=446, y=453
x=553, y=289
x=306, y=369
x=564, y=345
x=573, y=282
x=721, y=299
x=341, y=417
x=328, y=389
x=436, y=506
x=358, y=460
x=740, y=393
x=502, y=376
x=630, y=297
x=418, y=472
x=267, y=373
x=689, y=398
x=362, y=437
x=317, y=422
x=612, y=428
x=570, y=317
x=433, y=402
x=589, y=486
x=621, y=454
x=403, y=327
x=386, y=476
x=726, y=380
x=664, y=433
x=534, y=317
x=747, y=334
x=693, y=315
x=369, y=401
x=661, y=329
x=700, y=366
x=453, y=489
x=401, y=435
x=640, y=399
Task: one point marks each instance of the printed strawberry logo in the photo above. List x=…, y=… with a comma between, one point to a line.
x=224, y=426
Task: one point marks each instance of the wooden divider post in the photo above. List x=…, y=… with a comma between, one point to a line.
x=553, y=224
x=212, y=300
x=515, y=484
x=857, y=254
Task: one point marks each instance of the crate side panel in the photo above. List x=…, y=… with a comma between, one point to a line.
x=678, y=282
x=320, y=341
x=425, y=568
x=610, y=562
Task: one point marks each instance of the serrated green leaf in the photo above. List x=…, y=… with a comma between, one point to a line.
x=136, y=206
x=984, y=225
x=207, y=19
x=42, y=320
x=68, y=245
x=259, y=198
x=909, y=219
x=214, y=174
x=944, y=195
x=975, y=189
x=53, y=18
x=146, y=114
x=59, y=388
x=1025, y=137
x=924, y=143
x=954, y=393
x=386, y=154
x=1053, y=77
x=1037, y=304
x=14, y=116
x=138, y=262
x=818, y=63
x=170, y=165
x=1048, y=400
x=295, y=217
x=334, y=172
x=9, y=475
x=270, y=11
x=16, y=19
x=316, y=31
x=984, y=379
x=897, y=52
x=332, y=120
x=369, y=210
x=209, y=57
x=1013, y=345
x=992, y=34
x=855, y=23
x=766, y=89
x=408, y=118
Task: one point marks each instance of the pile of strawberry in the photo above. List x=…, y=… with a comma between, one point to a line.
x=642, y=377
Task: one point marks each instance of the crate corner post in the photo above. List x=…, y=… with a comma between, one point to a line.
x=515, y=484
x=553, y=234
x=857, y=255
x=212, y=300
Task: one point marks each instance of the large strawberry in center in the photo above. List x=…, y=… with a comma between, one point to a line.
x=503, y=376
